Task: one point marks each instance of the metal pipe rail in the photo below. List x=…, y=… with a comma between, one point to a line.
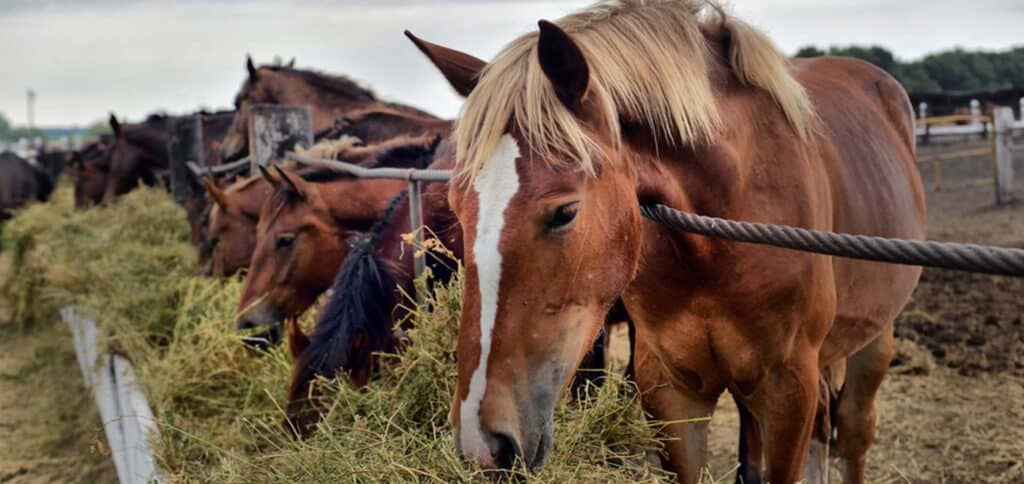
x=200, y=171
x=411, y=174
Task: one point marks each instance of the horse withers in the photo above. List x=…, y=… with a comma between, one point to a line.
x=570, y=129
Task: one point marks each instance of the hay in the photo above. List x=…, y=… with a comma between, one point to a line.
x=219, y=403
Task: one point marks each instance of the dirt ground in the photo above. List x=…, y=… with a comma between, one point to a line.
x=49, y=427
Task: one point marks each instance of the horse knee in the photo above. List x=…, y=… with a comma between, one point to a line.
x=855, y=430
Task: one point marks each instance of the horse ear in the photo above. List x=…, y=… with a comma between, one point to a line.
x=115, y=126
x=216, y=193
x=563, y=63
x=290, y=183
x=462, y=70
x=291, y=63
x=249, y=66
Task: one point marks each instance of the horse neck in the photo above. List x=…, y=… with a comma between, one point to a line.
x=355, y=203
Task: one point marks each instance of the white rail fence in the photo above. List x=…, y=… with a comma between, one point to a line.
x=127, y=418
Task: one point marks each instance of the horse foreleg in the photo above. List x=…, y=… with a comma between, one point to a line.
x=686, y=438
x=789, y=403
x=855, y=412
x=750, y=455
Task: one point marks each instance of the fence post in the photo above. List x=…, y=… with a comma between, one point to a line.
x=1021, y=110
x=1002, y=119
x=275, y=130
x=186, y=144
x=922, y=110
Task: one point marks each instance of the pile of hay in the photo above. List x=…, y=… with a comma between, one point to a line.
x=219, y=403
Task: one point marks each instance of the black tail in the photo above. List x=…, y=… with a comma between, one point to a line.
x=353, y=325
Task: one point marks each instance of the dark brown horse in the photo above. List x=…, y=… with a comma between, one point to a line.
x=380, y=123
x=570, y=129
x=329, y=96
x=90, y=167
x=197, y=208
x=138, y=154
x=304, y=233
x=20, y=183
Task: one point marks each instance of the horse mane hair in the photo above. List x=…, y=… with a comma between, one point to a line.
x=329, y=148
x=649, y=64
x=362, y=297
x=337, y=84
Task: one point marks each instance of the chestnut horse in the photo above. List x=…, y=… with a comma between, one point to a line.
x=231, y=230
x=304, y=233
x=367, y=296
x=329, y=96
x=229, y=227
x=562, y=138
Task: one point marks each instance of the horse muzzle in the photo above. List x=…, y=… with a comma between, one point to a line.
x=260, y=317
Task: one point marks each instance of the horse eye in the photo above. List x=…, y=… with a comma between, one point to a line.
x=563, y=215
x=285, y=241
x=214, y=242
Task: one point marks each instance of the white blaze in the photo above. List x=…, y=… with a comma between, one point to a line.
x=495, y=185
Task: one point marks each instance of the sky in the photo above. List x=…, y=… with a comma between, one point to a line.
x=87, y=58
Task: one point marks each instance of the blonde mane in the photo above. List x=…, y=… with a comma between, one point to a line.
x=648, y=63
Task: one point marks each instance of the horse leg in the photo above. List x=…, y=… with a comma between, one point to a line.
x=750, y=454
x=816, y=466
x=686, y=443
x=788, y=405
x=855, y=412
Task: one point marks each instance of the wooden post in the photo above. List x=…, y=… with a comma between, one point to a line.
x=185, y=145
x=1002, y=118
x=275, y=130
x=1021, y=110
x=922, y=110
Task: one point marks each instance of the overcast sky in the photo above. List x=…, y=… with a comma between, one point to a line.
x=86, y=58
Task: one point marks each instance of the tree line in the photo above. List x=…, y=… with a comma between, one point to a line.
x=949, y=70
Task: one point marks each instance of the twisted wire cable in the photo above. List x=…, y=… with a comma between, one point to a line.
x=945, y=255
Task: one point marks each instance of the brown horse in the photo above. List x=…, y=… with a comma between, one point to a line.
x=90, y=167
x=214, y=127
x=367, y=296
x=233, y=215
x=228, y=229
x=303, y=235
x=562, y=138
x=138, y=154
x=329, y=96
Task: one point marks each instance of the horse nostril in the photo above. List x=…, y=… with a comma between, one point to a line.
x=505, y=451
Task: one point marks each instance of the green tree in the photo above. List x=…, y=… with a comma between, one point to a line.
x=98, y=128
x=810, y=51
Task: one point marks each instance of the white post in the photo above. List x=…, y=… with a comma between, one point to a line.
x=975, y=109
x=1022, y=109
x=922, y=109
x=1003, y=121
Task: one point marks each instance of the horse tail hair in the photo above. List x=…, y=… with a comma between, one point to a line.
x=352, y=325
